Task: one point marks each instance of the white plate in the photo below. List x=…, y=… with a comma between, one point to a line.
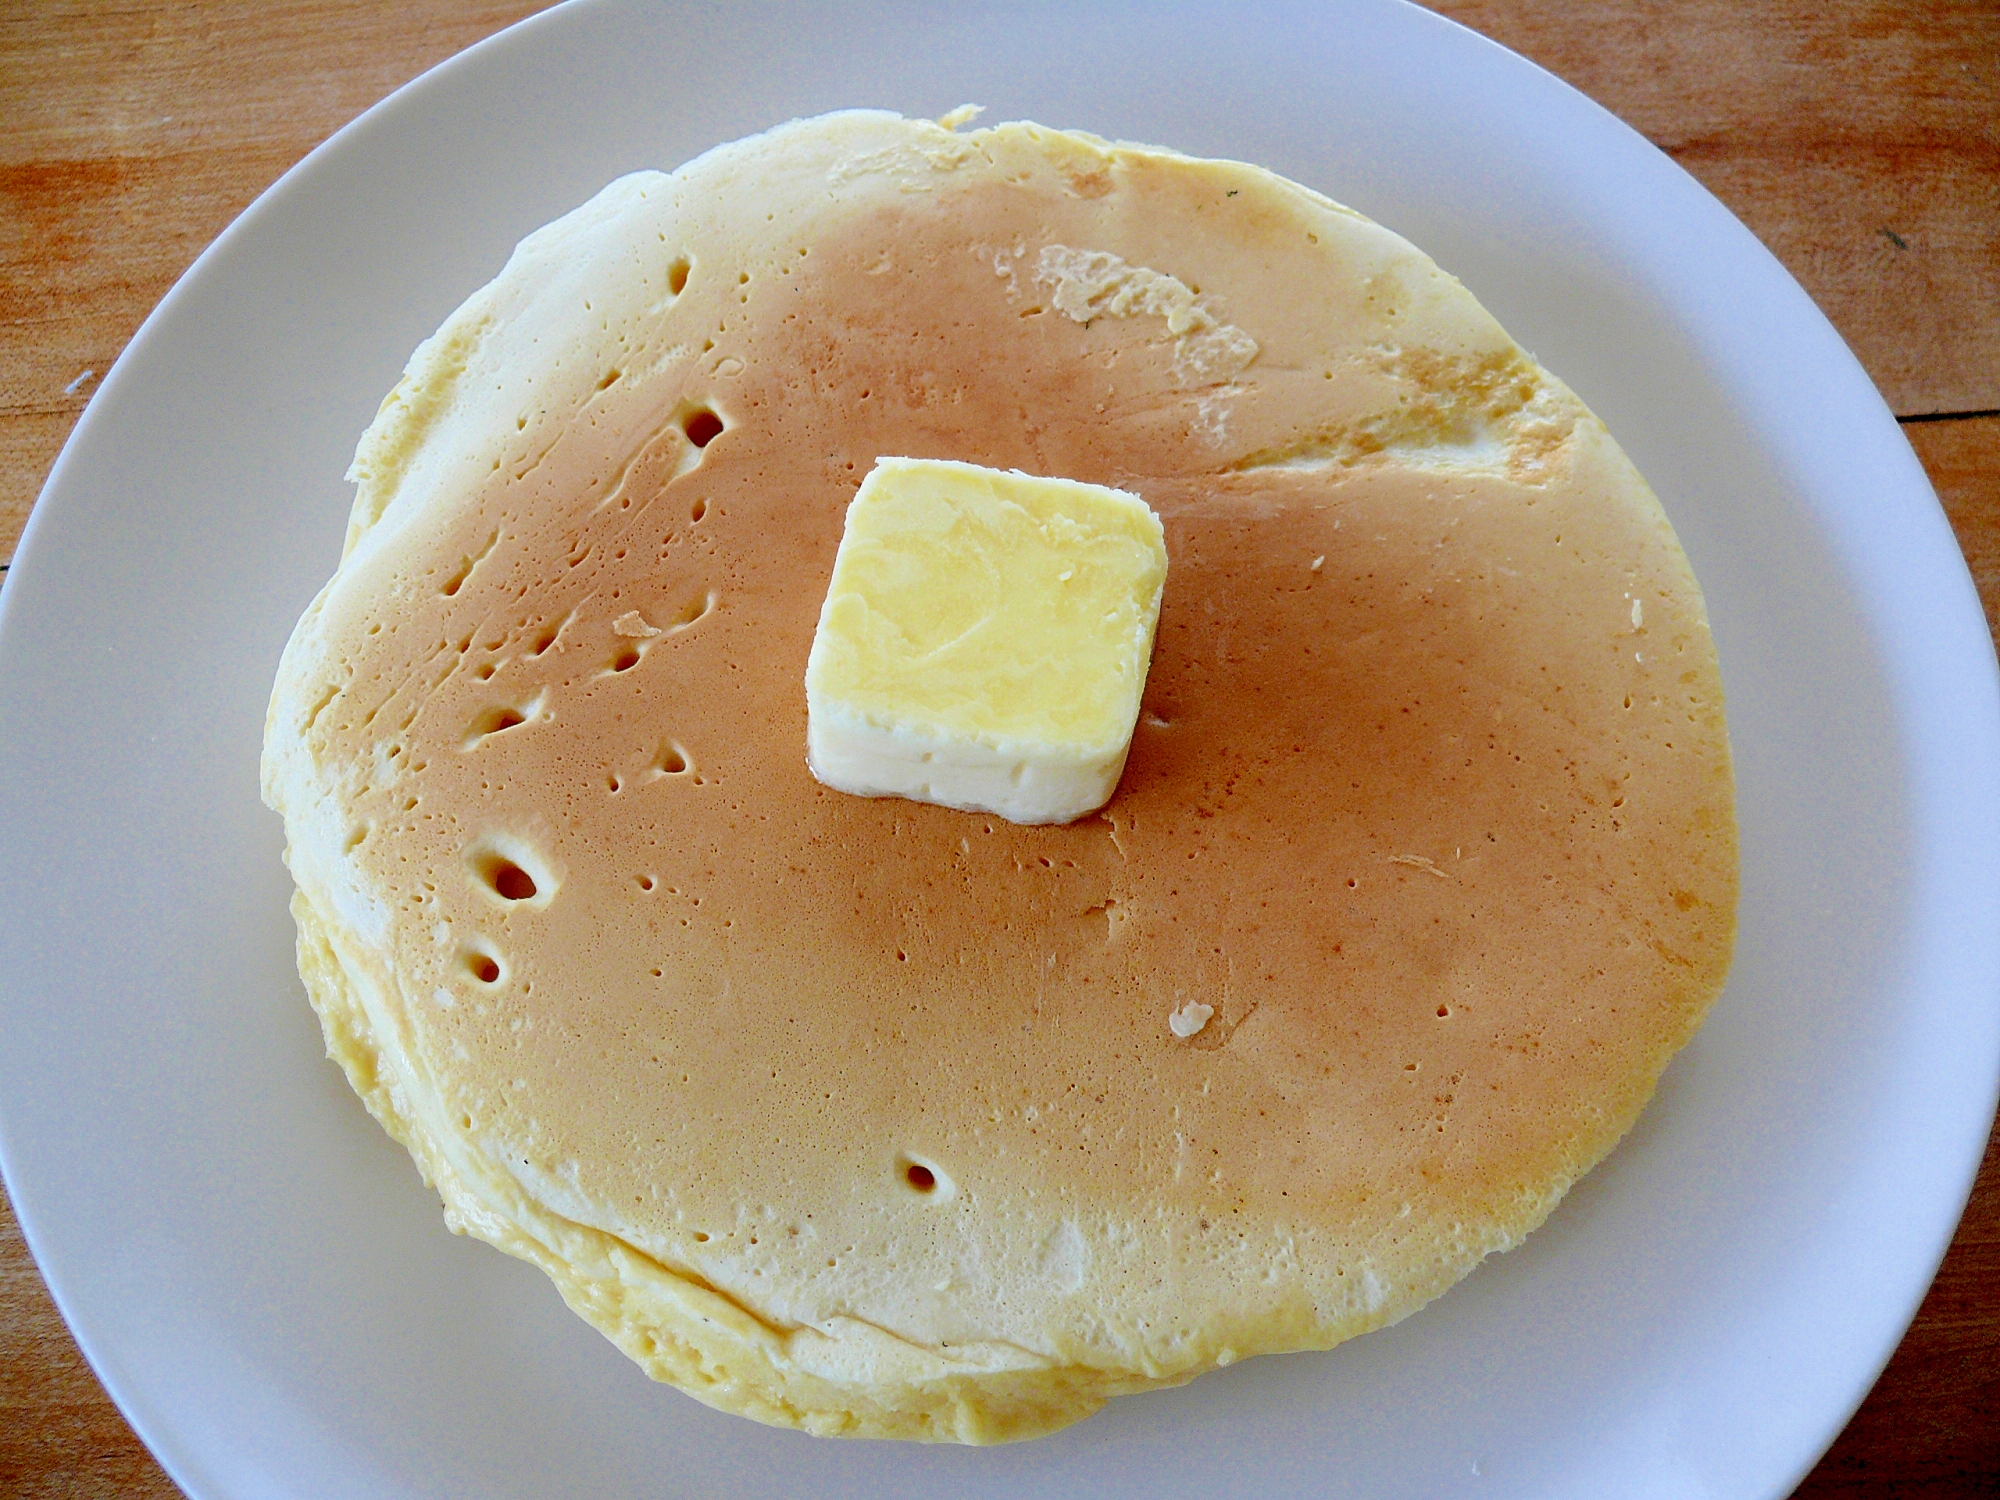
x=256, y=1272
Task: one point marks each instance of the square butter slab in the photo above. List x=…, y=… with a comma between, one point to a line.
x=985, y=640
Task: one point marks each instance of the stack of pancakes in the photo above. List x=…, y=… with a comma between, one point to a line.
x=866, y=1116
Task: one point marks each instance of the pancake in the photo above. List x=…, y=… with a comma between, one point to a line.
x=885, y=1119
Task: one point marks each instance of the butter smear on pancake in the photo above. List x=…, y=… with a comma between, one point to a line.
x=985, y=640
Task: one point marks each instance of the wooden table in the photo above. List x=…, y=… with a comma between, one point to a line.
x=1861, y=141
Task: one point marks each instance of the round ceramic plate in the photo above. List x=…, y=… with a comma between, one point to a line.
x=255, y=1269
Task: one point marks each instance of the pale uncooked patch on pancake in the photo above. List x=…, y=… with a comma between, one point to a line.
x=871, y=1117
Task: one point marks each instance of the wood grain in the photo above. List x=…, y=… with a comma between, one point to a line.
x=134, y=134
x=1861, y=141
x=60, y=1436
x=1930, y=1430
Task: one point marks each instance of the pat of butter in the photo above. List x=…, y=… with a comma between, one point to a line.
x=985, y=640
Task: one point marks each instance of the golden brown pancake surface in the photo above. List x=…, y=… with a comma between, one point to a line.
x=865, y=1115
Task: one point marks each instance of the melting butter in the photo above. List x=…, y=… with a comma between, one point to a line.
x=985, y=640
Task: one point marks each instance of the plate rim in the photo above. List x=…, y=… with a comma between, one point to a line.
x=155, y=1428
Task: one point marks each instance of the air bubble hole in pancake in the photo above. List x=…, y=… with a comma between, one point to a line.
x=702, y=427
x=497, y=719
x=925, y=1178
x=510, y=870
